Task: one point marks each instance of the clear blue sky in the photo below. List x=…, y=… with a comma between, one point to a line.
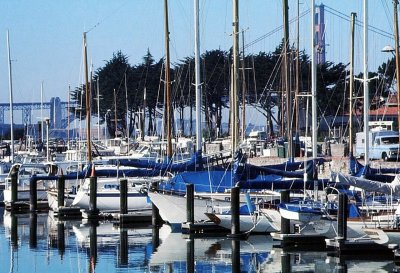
x=46, y=35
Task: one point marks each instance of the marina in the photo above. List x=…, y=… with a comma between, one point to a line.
x=225, y=161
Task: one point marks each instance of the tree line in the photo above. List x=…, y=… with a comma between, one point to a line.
x=121, y=88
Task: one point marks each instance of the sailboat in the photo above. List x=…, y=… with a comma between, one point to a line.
x=172, y=206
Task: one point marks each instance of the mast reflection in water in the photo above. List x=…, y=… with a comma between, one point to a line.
x=41, y=243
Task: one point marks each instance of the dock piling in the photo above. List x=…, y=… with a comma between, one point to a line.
x=155, y=214
x=285, y=223
x=342, y=217
x=123, y=196
x=60, y=191
x=14, y=186
x=190, y=203
x=33, y=193
x=235, y=212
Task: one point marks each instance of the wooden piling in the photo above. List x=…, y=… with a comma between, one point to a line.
x=123, y=200
x=33, y=193
x=190, y=203
x=342, y=217
x=60, y=191
x=14, y=186
x=155, y=215
x=93, y=211
x=235, y=211
x=285, y=223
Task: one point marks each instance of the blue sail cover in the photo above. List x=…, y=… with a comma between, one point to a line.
x=216, y=180
x=282, y=184
x=195, y=163
x=378, y=174
x=244, y=170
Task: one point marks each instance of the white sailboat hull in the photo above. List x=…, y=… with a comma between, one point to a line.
x=172, y=208
x=304, y=217
x=52, y=199
x=260, y=223
x=108, y=201
x=24, y=195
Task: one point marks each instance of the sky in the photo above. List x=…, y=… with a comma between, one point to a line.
x=46, y=35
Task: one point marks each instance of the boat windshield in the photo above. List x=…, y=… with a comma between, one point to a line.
x=33, y=170
x=390, y=140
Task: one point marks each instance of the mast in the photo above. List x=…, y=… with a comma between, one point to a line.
x=167, y=84
x=286, y=79
x=88, y=115
x=313, y=84
x=98, y=109
x=297, y=112
x=396, y=39
x=11, y=98
x=127, y=116
x=243, y=92
x=366, y=86
x=351, y=87
x=197, y=77
x=68, y=117
x=143, y=115
x=115, y=114
x=235, y=84
x=41, y=110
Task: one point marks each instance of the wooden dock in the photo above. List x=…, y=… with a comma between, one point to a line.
x=24, y=206
x=358, y=247
x=203, y=227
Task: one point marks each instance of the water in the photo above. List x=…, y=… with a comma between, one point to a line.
x=40, y=243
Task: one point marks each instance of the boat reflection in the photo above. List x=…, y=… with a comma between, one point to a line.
x=47, y=244
x=182, y=253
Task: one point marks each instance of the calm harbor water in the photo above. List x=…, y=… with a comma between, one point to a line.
x=40, y=243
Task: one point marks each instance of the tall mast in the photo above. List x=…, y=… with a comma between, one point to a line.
x=143, y=115
x=351, y=87
x=396, y=39
x=115, y=114
x=197, y=76
x=297, y=69
x=98, y=108
x=88, y=115
x=366, y=86
x=41, y=111
x=127, y=116
x=68, y=117
x=243, y=92
x=289, y=110
x=313, y=84
x=235, y=85
x=11, y=98
x=167, y=84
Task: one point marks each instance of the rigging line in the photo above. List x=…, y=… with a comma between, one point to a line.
x=388, y=14
x=358, y=22
x=259, y=39
x=107, y=16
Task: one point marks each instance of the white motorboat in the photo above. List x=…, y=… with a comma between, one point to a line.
x=25, y=172
x=108, y=195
